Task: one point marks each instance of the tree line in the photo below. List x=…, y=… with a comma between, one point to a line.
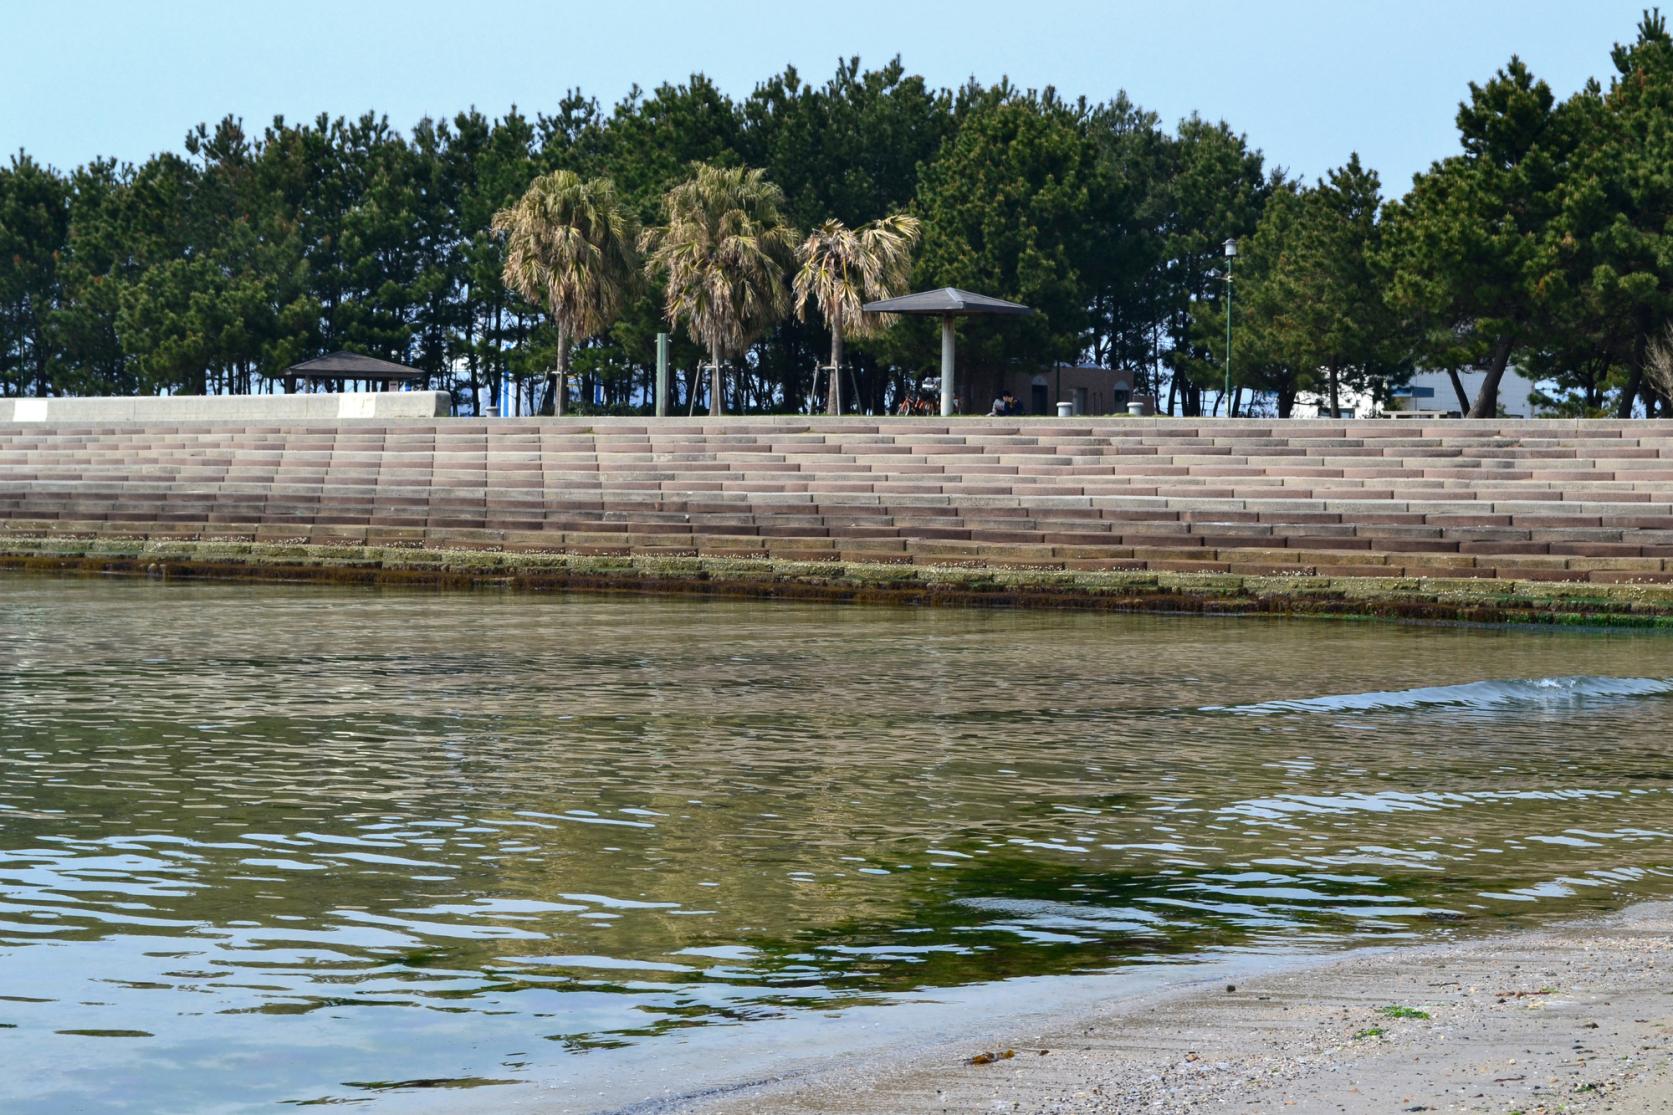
x=1542, y=243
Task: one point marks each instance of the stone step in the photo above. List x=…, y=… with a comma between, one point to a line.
x=1614, y=569
x=1545, y=500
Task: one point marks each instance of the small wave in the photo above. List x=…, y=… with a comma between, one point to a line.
x=1471, y=695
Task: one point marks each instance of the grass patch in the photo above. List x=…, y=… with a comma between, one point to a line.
x=1402, y=1012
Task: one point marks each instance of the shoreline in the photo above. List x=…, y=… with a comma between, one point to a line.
x=971, y=584
x=1572, y=1017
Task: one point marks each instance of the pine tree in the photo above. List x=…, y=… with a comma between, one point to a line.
x=1473, y=249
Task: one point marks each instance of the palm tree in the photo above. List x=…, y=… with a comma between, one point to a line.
x=1658, y=364
x=570, y=248
x=842, y=268
x=726, y=252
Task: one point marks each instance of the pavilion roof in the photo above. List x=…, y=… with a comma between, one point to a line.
x=353, y=365
x=945, y=302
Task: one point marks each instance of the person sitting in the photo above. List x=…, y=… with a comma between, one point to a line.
x=998, y=409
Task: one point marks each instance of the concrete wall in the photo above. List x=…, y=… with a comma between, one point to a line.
x=1558, y=500
x=227, y=408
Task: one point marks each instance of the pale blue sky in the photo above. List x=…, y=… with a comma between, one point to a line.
x=1307, y=80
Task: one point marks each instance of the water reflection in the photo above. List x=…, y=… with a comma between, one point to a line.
x=293, y=844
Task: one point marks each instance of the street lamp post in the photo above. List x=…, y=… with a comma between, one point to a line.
x=1231, y=254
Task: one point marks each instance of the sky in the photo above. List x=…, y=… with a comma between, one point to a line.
x=1308, y=81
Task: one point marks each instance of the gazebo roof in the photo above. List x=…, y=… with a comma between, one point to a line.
x=948, y=301
x=352, y=365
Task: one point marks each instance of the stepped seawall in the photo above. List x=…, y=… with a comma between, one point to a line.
x=1468, y=519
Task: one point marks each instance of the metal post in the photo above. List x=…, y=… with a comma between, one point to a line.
x=1229, y=337
x=1230, y=248
x=946, y=365
x=662, y=375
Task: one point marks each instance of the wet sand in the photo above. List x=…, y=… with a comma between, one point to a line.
x=1573, y=1018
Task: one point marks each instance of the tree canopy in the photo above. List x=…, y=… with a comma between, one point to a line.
x=1541, y=242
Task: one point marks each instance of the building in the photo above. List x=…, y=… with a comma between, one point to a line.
x=1350, y=403
x=1431, y=395
x=1091, y=389
x=1425, y=395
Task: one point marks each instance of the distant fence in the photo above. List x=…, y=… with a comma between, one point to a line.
x=227, y=408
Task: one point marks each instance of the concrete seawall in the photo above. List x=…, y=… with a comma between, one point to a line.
x=227, y=408
x=1357, y=509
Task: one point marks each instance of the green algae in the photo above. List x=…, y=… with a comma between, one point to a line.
x=953, y=583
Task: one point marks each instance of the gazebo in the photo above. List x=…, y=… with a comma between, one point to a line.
x=342, y=368
x=946, y=304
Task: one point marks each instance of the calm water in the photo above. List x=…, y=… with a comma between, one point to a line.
x=271, y=844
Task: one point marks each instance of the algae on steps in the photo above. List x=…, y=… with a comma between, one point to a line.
x=1483, y=600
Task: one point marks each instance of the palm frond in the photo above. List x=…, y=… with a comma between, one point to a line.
x=725, y=253
x=571, y=249
x=842, y=269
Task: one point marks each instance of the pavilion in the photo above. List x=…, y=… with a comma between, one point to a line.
x=946, y=304
x=343, y=368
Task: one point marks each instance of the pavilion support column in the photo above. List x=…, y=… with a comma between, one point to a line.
x=946, y=365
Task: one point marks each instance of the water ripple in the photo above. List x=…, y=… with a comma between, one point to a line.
x=387, y=837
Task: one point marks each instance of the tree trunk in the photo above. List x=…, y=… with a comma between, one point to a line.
x=1487, y=401
x=1629, y=393
x=1286, y=402
x=1636, y=377
x=833, y=398
x=556, y=382
x=1335, y=392
x=1458, y=389
x=717, y=402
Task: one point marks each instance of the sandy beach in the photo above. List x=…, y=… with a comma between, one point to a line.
x=1567, y=1019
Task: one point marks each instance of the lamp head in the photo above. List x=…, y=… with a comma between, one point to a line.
x=1231, y=247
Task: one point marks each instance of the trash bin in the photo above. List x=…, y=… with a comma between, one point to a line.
x=1065, y=410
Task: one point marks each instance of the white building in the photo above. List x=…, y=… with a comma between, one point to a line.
x=1426, y=395
x=1353, y=404
x=1431, y=395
